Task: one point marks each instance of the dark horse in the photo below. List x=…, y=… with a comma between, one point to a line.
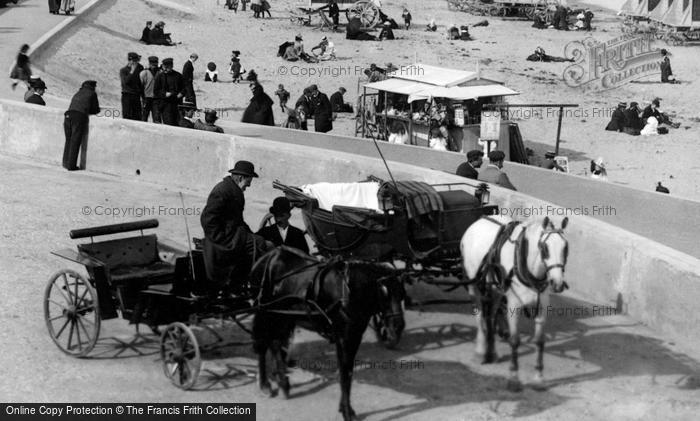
x=335, y=298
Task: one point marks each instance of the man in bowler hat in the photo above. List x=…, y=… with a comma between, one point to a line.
x=493, y=173
x=38, y=88
x=75, y=123
x=282, y=232
x=229, y=246
x=474, y=161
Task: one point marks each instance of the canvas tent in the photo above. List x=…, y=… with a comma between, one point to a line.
x=658, y=12
x=682, y=14
x=635, y=8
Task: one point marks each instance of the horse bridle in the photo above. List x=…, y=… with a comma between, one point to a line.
x=544, y=250
x=382, y=287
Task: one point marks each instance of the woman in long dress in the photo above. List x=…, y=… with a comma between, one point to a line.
x=21, y=72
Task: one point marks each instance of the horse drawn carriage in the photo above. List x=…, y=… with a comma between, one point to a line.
x=412, y=223
x=365, y=10
x=154, y=282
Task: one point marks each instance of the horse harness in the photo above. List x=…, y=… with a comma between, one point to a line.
x=313, y=292
x=492, y=261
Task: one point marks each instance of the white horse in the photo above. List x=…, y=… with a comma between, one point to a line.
x=516, y=261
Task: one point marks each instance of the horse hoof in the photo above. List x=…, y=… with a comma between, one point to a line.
x=514, y=386
x=266, y=390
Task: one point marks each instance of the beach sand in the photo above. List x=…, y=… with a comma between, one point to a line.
x=99, y=50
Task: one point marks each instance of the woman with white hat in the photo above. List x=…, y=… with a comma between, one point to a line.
x=598, y=169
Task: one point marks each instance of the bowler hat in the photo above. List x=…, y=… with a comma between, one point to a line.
x=281, y=206
x=664, y=51
x=211, y=114
x=153, y=59
x=475, y=154
x=167, y=61
x=245, y=168
x=91, y=83
x=133, y=56
x=39, y=84
x=496, y=156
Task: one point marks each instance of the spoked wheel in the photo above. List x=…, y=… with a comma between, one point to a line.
x=382, y=335
x=366, y=11
x=179, y=351
x=72, y=313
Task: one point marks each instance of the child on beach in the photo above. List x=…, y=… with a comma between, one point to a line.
x=406, y=18
x=283, y=95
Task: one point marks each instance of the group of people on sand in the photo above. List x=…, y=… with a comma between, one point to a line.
x=633, y=121
x=294, y=51
x=155, y=35
x=557, y=17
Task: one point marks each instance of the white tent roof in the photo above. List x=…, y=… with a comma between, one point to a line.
x=463, y=92
x=417, y=91
x=434, y=75
x=660, y=10
x=635, y=8
x=680, y=13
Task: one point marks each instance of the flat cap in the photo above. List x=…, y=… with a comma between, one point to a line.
x=474, y=154
x=496, y=156
x=168, y=61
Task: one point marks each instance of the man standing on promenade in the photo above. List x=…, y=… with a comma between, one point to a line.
x=168, y=91
x=188, y=78
x=131, y=87
x=76, y=121
x=148, y=82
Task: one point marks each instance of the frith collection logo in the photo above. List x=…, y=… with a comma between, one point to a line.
x=607, y=65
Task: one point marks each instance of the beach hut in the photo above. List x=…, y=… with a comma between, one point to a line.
x=658, y=12
x=635, y=8
x=682, y=14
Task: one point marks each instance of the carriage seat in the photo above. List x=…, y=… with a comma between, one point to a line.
x=458, y=199
x=130, y=259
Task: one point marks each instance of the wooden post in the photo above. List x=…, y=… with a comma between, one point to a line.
x=561, y=114
x=363, y=110
x=386, y=116
x=411, y=141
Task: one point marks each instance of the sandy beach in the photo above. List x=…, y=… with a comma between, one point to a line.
x=210, y=30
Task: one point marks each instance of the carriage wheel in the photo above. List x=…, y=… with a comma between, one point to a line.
x=179, y=352
x=366, y=11
x=382, y=336
x=72, y=313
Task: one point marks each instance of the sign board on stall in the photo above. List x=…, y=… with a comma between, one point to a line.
x=459, y=115
x=563, y=162
x=490, y=125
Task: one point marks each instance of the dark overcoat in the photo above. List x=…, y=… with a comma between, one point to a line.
x=295, y=237
x=225, y=231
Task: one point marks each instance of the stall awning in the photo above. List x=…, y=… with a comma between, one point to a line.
x=398, y=86
x=436, y=76
x=462, y=93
